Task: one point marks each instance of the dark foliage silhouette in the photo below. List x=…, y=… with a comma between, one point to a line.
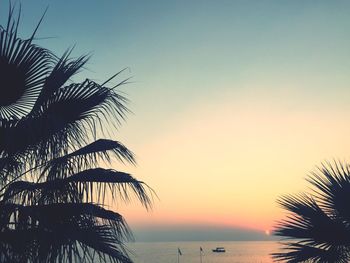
x=317, y=228
x=52, y=192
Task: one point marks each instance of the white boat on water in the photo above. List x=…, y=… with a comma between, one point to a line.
x=219, y=250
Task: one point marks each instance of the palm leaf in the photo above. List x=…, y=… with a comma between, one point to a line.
x=83, y=185
x=63, y=70
x=86, y=158
x=23, y=68
x=320, y=221
x=298, y=252
x=62, y=122
x=310, y=223
x=332, y=185
x=51, y=193
x=69, y=223
x=101, y=147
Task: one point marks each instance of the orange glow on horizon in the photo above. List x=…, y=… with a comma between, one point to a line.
x=231, y=172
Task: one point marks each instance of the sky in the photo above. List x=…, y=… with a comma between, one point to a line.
x=234, y=102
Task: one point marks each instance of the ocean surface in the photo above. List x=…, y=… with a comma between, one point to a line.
x=236, y=252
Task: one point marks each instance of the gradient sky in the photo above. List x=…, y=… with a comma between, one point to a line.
x=234, y=102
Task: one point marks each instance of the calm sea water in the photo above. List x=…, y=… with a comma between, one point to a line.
x=240, y=252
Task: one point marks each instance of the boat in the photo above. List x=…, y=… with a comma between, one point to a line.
x=219, y=250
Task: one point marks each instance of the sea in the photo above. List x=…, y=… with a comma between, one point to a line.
x=236, y=252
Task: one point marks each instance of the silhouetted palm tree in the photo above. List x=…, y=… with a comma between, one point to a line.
x=51, y=188
x=317, y=228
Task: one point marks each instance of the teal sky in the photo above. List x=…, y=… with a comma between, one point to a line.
x=186, y=52
x=213, y=69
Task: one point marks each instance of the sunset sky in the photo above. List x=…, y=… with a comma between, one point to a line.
x=234, y=102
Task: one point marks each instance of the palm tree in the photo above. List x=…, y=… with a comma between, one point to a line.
x=52, y=191
x=317, y=228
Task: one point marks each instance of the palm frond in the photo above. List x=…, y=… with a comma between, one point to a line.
x=318, y=221
x=23, y=68
x=332, y=188
x=93, y=100
x=64, y=69
x=310, y=223
x=298, y=252
x=8, y=166
x=61, y=212
x=87, y=184
x=51, y=193
x=69, y=224
x=101, y=146
x=87, y=157
x=100, y=240
x=62, y=122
